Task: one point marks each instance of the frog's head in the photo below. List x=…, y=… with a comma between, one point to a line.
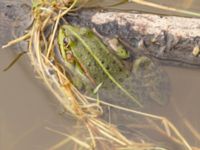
x=66, y=35
x=69, y=32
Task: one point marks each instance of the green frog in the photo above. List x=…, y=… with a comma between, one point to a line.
x=91, y=64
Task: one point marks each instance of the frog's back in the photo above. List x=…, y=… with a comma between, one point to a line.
x=105, y=58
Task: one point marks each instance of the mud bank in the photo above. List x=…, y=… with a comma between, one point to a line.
x=170, y=39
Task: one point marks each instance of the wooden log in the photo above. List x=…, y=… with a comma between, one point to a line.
x=173, y=40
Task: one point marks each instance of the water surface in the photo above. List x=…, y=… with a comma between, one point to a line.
x=27, y=107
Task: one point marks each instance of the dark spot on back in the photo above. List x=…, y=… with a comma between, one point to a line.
x=107, y=67
x=121, y=79
x=114, y=62
x=127, y=86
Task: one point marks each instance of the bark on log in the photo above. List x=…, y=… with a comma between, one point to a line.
x=170, y=39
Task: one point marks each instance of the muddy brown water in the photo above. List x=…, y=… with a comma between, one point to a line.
x=27, y=107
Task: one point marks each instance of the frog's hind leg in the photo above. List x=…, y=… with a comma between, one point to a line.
x=153, y=80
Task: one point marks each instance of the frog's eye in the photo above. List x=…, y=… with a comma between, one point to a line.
x=65, y=41
x=123, y=53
